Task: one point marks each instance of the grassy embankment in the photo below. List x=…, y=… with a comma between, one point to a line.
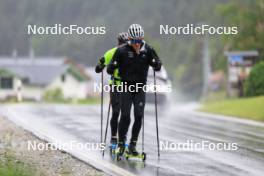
x=249, y=108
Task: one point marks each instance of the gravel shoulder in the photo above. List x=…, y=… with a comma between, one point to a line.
x=14, y=147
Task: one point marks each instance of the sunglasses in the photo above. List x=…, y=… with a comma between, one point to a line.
x=136, y=41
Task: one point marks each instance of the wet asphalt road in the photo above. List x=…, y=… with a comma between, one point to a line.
x=176, y=126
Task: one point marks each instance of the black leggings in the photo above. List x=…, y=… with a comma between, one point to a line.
x=138, y=100
x=115, y=103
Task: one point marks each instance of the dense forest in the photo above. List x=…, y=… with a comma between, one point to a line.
x=182, y=55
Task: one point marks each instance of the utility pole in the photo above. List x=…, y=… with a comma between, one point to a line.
x=206, y=65
x=31, y=50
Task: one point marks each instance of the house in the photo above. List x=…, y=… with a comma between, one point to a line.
x=9, y=84
x=217, y=80
x=33, y=77
x=95, y=80
x=239, y=65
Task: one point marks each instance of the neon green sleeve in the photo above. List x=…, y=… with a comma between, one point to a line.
x=109, y=55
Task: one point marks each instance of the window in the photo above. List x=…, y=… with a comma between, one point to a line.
x=6, y=83
x=25, y=80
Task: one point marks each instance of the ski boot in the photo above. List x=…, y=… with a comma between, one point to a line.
x=113, y=146
x=133, y=153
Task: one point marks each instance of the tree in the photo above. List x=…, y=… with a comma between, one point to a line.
x=247, y=15
x=254, y=85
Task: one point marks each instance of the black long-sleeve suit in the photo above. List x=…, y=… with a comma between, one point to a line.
x=133, y=69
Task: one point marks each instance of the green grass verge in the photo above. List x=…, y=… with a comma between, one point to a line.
x=250, y=108
x=87, y=101
x=10, y=166
x=214, y=96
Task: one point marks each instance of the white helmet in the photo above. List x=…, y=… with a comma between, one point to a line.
x=122, y=37
x=135, y=31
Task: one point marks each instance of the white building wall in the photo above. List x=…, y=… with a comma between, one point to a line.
x=22, y=92
x=4, y=93
x=32, y=93
x=71, y=87
x=91, y=91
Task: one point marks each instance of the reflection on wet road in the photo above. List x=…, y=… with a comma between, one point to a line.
x=83, y=122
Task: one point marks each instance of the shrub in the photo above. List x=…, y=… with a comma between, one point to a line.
x=53, y=95
x=254, y=85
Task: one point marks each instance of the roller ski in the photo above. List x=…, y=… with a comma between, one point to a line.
x=132, y=153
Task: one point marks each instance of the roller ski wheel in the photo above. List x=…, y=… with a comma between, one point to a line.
x=142, y=156
x=120, y=152
x=119, y=157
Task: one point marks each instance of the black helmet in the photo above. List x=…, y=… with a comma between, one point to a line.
x=122, y=38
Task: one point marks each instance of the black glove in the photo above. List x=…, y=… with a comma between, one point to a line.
x=99, y=68
x=156, y=64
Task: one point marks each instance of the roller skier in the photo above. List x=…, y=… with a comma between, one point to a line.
x=115, y=80
x=132, y=61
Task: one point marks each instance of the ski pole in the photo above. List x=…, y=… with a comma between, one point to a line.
x=143, y=131
x=107, y=122
x=102, y=104
x=156, y=113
